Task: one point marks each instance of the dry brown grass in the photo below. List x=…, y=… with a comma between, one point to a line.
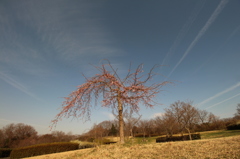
x=228, y=147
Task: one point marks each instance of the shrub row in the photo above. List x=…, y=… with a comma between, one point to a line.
x=5, y=152
x=178, y=138
x=42, y=149
x=234, y=127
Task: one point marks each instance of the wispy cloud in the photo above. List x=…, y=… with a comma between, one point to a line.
x=223, y=101
x=219, y=94
x=109, y=115
x=212, y=18
x=184, y=30
x=36, y=33
x=234, y=32
x=17, y=85
x=157, y=114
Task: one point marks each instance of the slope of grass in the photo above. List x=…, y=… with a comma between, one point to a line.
x=219, y=133
x=228, y=147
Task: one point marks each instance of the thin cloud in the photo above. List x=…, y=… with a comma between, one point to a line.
x=212, y=18
x=17, y=85
x=157, y=114
x=59, y=32
x=184, y=30
x=234, y=32
x=109, y=115
x=223, y=101
x=219, y=94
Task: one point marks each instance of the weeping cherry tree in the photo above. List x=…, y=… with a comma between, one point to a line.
x=114, y=92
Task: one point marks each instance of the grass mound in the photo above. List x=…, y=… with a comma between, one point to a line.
x=227, y=147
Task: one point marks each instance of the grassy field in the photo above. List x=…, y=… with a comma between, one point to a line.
x=219, y=134
x=213, y=145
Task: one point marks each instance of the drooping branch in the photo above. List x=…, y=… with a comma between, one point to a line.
x=116, y=93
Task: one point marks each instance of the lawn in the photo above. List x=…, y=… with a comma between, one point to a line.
x=219, y=133
x=226, y=147
x=214, y=144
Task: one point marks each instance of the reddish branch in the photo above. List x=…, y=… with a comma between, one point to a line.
x=116, y=93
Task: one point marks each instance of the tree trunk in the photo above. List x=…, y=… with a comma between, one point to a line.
x=189, y=133
x=121, y=122
x=131, y=132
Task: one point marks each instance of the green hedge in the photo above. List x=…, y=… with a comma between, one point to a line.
x=42, y=149
x=5, y=152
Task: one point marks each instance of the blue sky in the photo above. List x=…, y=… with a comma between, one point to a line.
x=45, y=46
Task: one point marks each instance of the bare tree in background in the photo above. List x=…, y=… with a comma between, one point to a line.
x=190, y=117
x=203, y=118
x=175, y=110
x=14, y=133
x=237, y=114
x=169, y=123
x=2, y=138
x=128, y=93
x=143, y=125
x=184, y=114
x=130, y=122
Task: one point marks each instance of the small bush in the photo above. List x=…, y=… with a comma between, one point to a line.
x=5, y=152
x=178, y=138
x=42, y=149
x=233, y=127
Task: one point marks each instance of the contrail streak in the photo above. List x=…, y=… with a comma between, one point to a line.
x=184, y=29
x=17, y=85
x=219, y=94
x=223, y=101
x=212, y=18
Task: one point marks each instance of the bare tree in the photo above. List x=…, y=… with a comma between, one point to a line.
x=237, y=114
x=159, y=126
x=190, y=118
x=118, y=93
x=143, y=125
x=14, y=133
x=169, y=123
x=203, y=118
x=61, y=136
x=106, y=125
x=130, y=122
x=202, y=114
x=176, y=111
x=215, y=122
x=184, y=114
x=2, y=138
